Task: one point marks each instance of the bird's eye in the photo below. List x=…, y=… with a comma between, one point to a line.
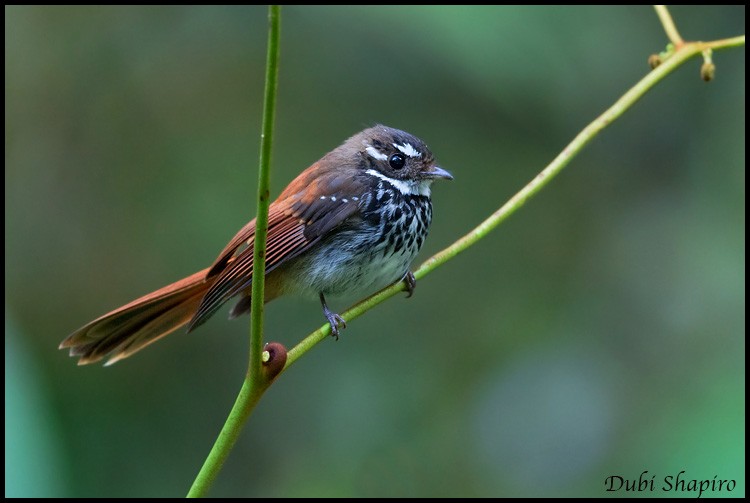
x=397, y=161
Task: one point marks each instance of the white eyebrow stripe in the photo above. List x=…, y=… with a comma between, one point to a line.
x=407, y=149
x=375, y=153
x=402, y=187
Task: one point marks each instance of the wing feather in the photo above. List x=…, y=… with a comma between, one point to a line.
x=295, y=224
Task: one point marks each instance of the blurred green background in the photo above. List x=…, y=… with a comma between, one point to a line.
x=599, y=331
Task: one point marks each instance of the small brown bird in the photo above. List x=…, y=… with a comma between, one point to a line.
x=349, y=224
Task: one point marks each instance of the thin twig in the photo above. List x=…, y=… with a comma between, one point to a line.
x=254, y=383
x=666, y=20
x=264, y=183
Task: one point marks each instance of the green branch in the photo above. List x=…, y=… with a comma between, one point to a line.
x=256, y=382
x=666, y=20
x=264, y=182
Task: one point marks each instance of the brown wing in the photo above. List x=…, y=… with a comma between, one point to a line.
x=296, y=221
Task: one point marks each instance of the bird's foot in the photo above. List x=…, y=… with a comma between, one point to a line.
x=411, y=283
x=334, y=319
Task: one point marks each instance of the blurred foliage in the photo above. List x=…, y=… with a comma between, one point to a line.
x=600, y=331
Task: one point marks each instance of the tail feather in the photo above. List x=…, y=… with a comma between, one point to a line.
x=132, y=327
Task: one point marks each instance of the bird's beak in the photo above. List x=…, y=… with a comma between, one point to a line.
x=434, y=172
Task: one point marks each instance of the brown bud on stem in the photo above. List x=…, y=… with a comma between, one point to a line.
x=708, y=70
x=274, y=359
x=654, y=60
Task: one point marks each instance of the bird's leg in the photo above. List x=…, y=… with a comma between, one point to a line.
x=334, y=319
x=411, y=283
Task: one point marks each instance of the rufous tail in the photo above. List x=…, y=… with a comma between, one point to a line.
x=120, y=333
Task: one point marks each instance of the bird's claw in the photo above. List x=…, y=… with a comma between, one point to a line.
x=335, y=321
x=411, y=283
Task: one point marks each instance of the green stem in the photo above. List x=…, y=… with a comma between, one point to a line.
x=264, y=182
x=666, y=20
x=724, y=43
x=255, y=382
x=243, y=406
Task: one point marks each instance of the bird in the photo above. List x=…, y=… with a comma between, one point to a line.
x=350, y=224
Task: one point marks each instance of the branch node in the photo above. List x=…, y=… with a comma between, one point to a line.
x=273, y=359
x=708, y=71
x=654, y=61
